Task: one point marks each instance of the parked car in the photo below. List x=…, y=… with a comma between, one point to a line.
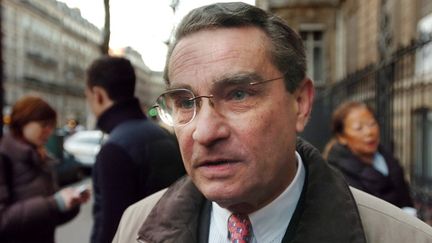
x=68, y=170
x=83, y=146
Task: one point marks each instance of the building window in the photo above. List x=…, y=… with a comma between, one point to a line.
x=422, y=128
x=314, y=44
x=424, y=54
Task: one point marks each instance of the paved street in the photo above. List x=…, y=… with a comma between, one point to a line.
x=77, y=230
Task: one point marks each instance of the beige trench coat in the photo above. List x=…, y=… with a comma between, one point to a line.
x=382, y=222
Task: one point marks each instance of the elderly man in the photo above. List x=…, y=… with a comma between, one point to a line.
x=237, y=97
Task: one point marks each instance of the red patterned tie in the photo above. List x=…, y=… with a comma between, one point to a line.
x=239, y=228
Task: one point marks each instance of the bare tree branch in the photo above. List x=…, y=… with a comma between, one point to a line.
x=107, y=29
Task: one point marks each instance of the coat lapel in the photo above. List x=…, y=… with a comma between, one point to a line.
x=174, y=218
x=327, y=211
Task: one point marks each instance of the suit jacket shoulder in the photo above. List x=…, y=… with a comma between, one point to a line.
x=384, y=222
x=134, y=216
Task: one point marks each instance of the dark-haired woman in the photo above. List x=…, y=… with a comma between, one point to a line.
x=30, y=204
x=356, y=151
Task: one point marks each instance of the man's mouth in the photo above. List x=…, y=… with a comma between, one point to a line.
x=218, y=168
x=216, y=163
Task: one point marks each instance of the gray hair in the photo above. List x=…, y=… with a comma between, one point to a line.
x=287, y=51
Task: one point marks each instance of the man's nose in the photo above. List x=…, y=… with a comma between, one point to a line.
x=210, y=124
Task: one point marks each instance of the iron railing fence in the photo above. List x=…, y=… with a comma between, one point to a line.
x=397, y=88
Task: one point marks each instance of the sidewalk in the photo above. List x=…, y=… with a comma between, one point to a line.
x=78, y=229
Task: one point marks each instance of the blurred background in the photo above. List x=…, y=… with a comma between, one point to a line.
x=376, y=51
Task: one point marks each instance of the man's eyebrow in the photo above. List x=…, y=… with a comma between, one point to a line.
x=178, y=86
x=232, y=79
x=239, y=78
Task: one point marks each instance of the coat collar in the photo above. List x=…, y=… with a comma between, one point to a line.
x=342, y=157
x=18, y=150
x=175, y=216
x=326, y=212
x=118, y=113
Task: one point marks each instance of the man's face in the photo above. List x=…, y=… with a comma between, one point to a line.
x=93, y=101
x=244, y=158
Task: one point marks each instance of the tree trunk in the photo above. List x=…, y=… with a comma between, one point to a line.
x=107, y=29
x=1, y=70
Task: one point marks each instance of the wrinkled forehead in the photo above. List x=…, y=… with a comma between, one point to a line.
x=210, y=55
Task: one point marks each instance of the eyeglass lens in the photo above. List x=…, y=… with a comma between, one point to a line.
x=179, y=106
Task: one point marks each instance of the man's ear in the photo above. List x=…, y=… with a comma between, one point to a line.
x=304, y=99
x=102, y=101
x=100, y=95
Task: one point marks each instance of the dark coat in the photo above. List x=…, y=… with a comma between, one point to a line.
x=392, y=188
x=138, y=159
x=326, y=212
x=28, y=211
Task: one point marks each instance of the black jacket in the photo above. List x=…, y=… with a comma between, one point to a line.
x=392, y=188
x=28, y=211
x=138, y=159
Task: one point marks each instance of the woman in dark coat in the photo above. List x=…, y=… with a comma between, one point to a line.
x=356, y=151
x=30, y=207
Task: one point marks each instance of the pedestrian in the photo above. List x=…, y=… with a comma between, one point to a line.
x=31, y=207
x=237, y=97
x=72, y=126
x=138, y=159
x=366, y=165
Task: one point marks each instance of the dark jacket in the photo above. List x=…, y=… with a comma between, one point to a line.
x=326, y=211
x=28, y=212
x=392, y=188
x=138, y=159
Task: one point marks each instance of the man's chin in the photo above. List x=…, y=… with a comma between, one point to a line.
x=222, y=195
x=236, y=206
x=228, y=196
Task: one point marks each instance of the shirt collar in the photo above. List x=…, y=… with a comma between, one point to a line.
x=280, y=210
x=379, y=163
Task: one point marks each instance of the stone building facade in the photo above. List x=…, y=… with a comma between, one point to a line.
x=47, y=47
x=357, y=34
x=379, y=52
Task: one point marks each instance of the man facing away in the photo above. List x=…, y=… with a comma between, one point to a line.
x=237, y=97
x=138, y=159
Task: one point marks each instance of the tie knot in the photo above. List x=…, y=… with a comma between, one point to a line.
x=239, y=228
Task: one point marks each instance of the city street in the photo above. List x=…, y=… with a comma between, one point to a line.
x=346, y=84
x=78, y=229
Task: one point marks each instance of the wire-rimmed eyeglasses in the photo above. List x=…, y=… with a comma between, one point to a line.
x=178, y=107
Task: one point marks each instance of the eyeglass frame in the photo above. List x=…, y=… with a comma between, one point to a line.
x=195, y=97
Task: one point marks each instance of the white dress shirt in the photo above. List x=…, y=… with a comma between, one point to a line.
x=270, y=223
